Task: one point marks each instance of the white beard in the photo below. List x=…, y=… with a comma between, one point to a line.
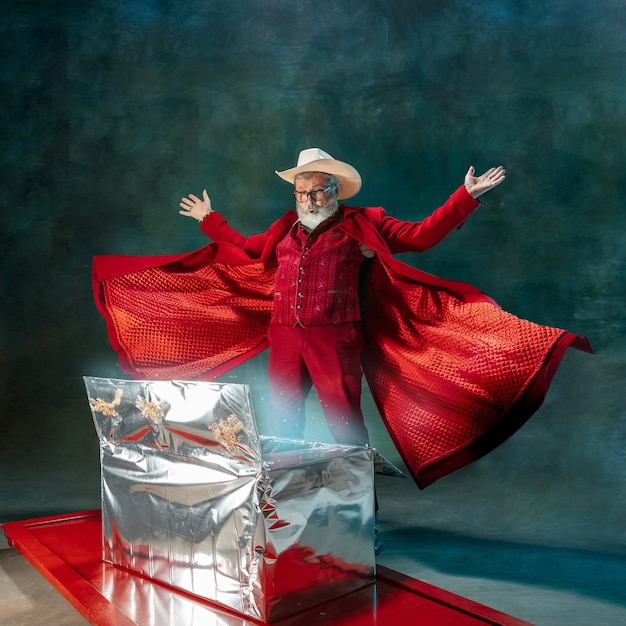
x=312, y=215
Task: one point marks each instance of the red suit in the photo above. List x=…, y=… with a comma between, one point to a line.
x=451, y=373
x=315, y=332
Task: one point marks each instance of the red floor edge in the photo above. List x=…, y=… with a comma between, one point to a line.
x=66, y=550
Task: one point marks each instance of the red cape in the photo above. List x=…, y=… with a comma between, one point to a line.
x=451, y=373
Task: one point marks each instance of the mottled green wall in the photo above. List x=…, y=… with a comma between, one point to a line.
x=111, y=111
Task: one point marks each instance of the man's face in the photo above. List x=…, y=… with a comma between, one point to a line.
x=313, y=212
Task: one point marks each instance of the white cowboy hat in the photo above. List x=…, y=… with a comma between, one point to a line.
x=316, y=160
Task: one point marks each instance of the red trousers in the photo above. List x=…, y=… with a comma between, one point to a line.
x=327, y=357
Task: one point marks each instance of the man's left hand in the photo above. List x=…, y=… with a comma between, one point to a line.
x=477, y=185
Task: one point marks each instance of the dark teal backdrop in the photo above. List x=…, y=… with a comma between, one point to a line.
x=111, y=111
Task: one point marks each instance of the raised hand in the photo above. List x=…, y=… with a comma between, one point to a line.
x=192, y=206
x=477, y=185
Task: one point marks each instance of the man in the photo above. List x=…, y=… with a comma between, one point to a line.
x=452, y=375
x=315, y=334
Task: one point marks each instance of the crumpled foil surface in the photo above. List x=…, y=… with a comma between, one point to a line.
x=193, y=497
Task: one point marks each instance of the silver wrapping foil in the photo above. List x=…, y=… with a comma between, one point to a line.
x=193, y=497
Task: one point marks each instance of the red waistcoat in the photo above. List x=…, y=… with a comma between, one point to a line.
x=316, y=281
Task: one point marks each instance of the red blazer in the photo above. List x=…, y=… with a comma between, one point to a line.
x=452, y=374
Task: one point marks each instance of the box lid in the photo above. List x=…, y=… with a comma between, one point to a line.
x=184, y=418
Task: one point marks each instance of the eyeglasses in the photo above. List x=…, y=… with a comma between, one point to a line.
x=316, y=194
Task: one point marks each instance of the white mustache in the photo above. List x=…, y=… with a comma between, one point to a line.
x=318, y=214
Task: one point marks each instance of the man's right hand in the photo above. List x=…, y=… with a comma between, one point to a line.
x=192, y=206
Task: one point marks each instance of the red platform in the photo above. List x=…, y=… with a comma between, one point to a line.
x=66, y=550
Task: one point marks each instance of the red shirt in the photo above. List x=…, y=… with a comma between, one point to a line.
x=316, y=281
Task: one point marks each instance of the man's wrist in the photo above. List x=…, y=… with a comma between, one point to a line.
x=202, y=218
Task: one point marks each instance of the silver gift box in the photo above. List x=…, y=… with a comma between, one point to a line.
x=194, y=498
